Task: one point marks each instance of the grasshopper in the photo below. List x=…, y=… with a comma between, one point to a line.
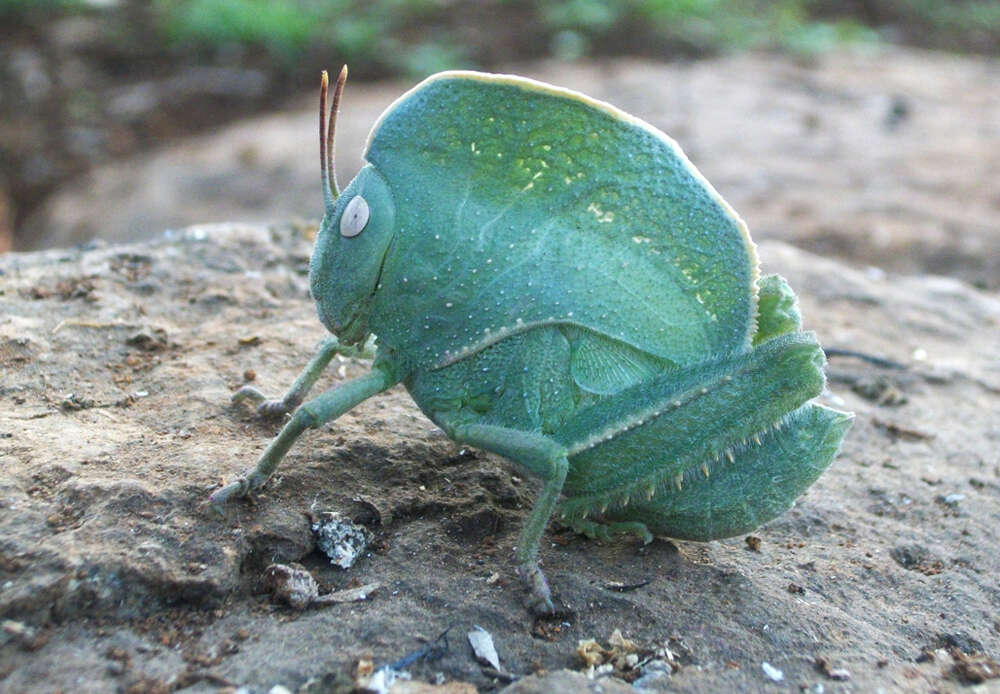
x=552, y=280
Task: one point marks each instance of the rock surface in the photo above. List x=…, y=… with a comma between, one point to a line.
x=117, y=365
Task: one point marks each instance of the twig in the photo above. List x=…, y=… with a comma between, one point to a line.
x=626, y=587
x=432, y=651
x=864, y=356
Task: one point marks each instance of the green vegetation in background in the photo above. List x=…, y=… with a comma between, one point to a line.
x=694, y=26
x=962, y=24
x=417, y=37
x=15, y=7
x=382, y=31
x=361, y=32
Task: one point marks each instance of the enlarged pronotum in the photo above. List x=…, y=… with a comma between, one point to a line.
x=552, y=280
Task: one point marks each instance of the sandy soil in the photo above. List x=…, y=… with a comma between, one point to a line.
x=117, y=365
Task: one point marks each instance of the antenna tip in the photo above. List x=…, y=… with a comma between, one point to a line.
x=326, y=79
x=343, y=74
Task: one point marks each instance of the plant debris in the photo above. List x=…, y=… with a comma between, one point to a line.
x=627, y=660
x=620, y=587
x=294, y=585
x=973, y=668
x=381, y=680
x=483, y=648
x=824, y=666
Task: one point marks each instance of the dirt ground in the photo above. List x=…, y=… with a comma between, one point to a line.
x=118, y=361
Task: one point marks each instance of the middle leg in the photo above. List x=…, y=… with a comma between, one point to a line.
x=545, y=458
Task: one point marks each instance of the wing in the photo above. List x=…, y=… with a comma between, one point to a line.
x=521, y=204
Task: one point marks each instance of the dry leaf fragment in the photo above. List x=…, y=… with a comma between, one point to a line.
x=482, y=645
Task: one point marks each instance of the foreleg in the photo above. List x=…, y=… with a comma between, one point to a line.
x=314, y=413
x=328, y=349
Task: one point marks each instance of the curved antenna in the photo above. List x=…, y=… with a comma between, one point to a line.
x=331, y=189
x=331, y=129
x=323, y=166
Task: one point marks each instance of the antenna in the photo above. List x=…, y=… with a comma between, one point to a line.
x=327, y=193
x=334, y=110
x=327, y=128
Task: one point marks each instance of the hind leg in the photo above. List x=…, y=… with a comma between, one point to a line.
x=605, y=531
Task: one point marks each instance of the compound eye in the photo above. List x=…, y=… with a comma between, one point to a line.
x=355, y=217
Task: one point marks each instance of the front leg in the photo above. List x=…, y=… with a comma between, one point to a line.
x=314, y=413
x=545, y=458
x=328, y=349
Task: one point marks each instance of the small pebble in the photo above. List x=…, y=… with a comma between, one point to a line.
x=772, y=672
x=341, y=539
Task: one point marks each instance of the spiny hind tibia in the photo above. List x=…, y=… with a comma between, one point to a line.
x=552, y=280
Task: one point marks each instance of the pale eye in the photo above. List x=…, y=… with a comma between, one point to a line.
x=355, y=217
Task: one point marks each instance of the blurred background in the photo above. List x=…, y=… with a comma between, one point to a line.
x=865, y=129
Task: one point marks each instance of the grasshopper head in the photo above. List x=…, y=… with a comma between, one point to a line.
x=347, y=258
x=353, y=239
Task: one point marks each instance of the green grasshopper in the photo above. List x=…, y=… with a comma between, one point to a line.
x=552, y=280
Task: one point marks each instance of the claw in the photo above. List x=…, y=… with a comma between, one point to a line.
x=540, y=597
x=265, y=407
x=542, y=608
x=220, y=497
x=210, y=503
x=239, y=489
x=274, y=408
x=248, y=393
